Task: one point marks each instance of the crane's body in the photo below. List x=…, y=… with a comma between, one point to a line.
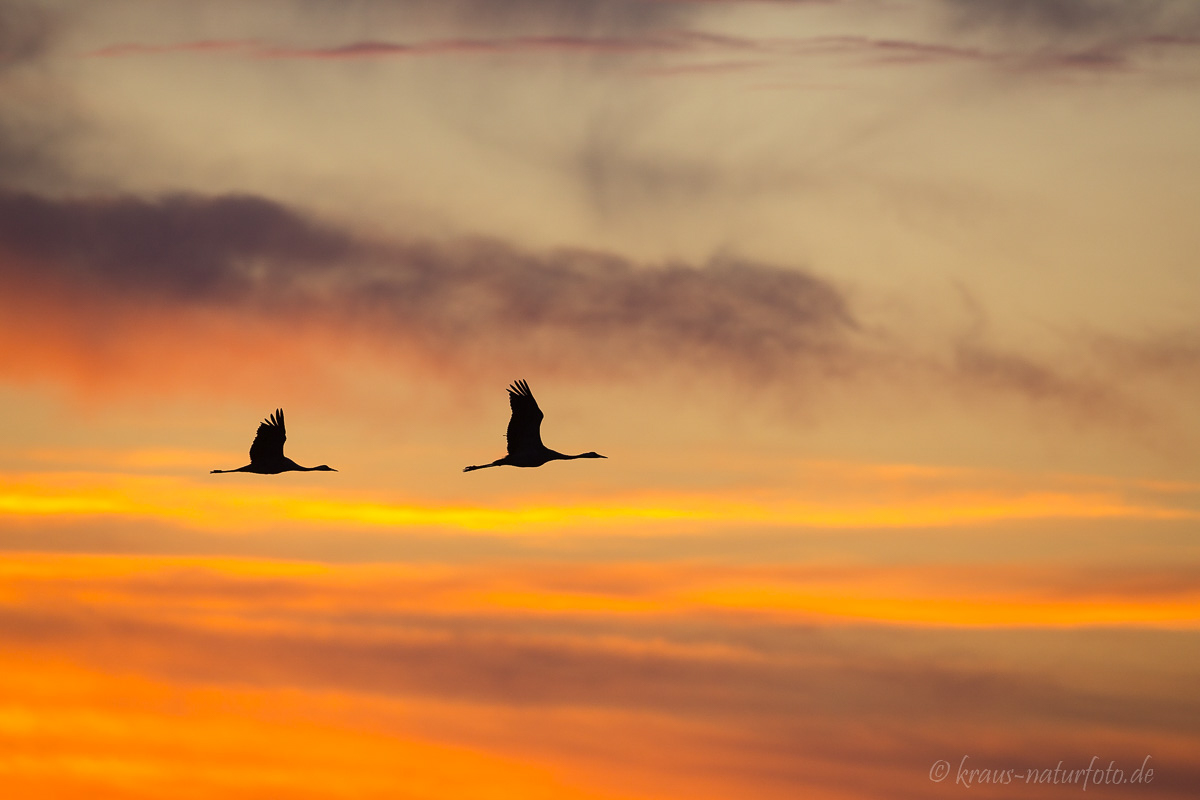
x=525, y=448
x=266, y=453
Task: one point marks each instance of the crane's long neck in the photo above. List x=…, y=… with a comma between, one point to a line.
x=291, y=466
x=581, y=455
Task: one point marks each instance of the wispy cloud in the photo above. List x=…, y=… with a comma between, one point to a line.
x=384, y=49
x=661, y=42
x=1106, y=18
x=989, y=368
x=867, y=50
x=333, y=662
x=201, y=46
x=28, y=131
x=25, y=34
x=1084, y=34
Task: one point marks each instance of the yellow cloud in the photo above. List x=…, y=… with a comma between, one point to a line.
x=242, y=507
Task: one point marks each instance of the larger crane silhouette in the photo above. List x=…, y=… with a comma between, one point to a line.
x=525, y=448
x=266, y=453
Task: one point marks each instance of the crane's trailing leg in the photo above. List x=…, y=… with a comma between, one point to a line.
x=500, y=462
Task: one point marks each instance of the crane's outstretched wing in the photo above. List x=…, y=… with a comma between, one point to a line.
x=268, y=442
x=524, y=429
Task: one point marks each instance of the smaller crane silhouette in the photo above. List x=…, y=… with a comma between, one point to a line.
x=266, y=453
x=525, y=448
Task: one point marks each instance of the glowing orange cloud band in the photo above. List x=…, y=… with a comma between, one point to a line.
x=966, y=595
x=248, y=507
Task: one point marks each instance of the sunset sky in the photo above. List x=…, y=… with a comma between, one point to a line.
x=884, y=313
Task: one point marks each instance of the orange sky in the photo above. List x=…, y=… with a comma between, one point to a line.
x=882, y=313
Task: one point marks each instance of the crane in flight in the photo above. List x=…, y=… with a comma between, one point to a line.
x=525, y=448
x=266, y=453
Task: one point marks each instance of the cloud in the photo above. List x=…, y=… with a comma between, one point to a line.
x=181, y=246
x=437, y=630
x=900, y=51
x=1088, y=34
x=105, y=288
x=1107, y=18
x=772, y=52
x=990, y=368
x=263, y=258
x=25, y=33
x=761, y=706
x=199, y=46
x=890, y=51
x=1174, y=354
x=564, y=16
x=28, y=131
x=580, y=16
x=390, y=49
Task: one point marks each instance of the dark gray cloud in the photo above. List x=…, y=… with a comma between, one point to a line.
x=1097, y=36
x=28, y=131
x=25, y=33
x=563, y=16
x=569, y=17
x=256, y=254
x=1064, y=17
x=1081, y=33
x=990, y=368
x=1174, y=355
x=182, y=247
x=572, y=15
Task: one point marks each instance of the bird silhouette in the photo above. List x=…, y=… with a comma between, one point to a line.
x=266, y=453
x=525, y=448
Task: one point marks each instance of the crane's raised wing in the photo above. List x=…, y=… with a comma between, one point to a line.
x=524, y=429
x=268, y=442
